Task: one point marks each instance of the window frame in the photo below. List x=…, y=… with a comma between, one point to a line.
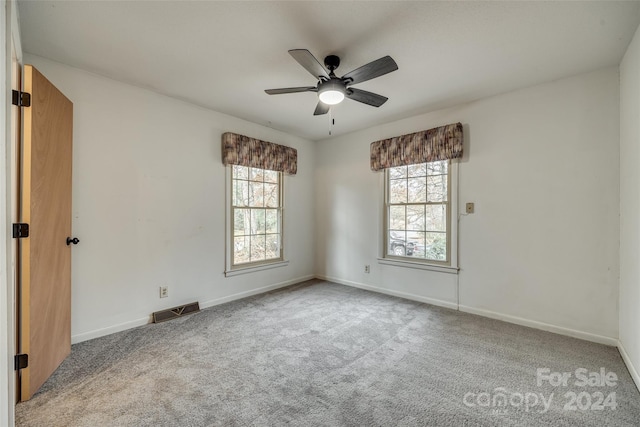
x=231, y=268
x=450, y=265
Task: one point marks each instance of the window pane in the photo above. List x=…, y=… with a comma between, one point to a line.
x=417, y=206
x=257, y=228
x=415, y=218
x=437, y=188
x=256, y=174
x=257, y=221
x=271, y=176
x=397, y=218
x=436, y=218
x=241, y=249
x=417, y=170
x=241, y=221
x=396, y=243
x=240, y=193
x=398, y=191
x=417, y=190
x=257, y=248
x=271, y=220
x=271, y=195
x=240, y=172
x=416, y=245
x=256, y=194
x=272, y=246
x=436, y=246
x=437, y=168
x=399, y=172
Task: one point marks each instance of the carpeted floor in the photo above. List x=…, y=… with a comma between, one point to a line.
x=321, y=354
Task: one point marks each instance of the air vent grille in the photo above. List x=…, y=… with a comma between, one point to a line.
x=174, y=313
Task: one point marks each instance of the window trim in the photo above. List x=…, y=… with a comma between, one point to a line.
x=418, y=265
x=244, y=270
x=232, y=269
x=449, y=266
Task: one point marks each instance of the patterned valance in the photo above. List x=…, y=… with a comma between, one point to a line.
x=245, y=151
x=441, y=143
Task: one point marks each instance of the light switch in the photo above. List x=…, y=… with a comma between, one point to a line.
x=470, y=208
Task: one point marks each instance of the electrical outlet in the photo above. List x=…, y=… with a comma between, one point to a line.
x=164, y=291
x=470, y=208
x=367, y=268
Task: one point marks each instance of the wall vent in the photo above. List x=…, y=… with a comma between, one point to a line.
x=174, y=313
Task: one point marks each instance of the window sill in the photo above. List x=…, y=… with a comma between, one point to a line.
x=245, y=270
x=419, y=265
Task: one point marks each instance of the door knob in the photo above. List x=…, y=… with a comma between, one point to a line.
x=75, y=241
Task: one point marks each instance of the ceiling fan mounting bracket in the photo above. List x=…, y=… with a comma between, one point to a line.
x=332, y=62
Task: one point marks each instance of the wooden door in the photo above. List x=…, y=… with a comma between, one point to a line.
x=45, y=257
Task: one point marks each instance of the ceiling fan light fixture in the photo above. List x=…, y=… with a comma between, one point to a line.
x=331, y=92
x=331, y=97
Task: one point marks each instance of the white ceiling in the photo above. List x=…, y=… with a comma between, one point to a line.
x=222, y=55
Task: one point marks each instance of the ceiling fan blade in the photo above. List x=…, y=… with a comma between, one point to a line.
x=309, y=62
x=365, y=97
x=369, y=71
x=321, y=108
x=291, y=90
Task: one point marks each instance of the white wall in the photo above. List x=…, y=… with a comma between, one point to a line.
x=542, y=166
x=148, y=204
x=630, y=207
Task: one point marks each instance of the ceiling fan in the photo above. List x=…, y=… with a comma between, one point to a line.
x=332, y=89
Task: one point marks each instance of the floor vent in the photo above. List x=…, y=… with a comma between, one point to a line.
x=175, y=312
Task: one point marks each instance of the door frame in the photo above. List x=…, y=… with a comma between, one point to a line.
x=11, y=52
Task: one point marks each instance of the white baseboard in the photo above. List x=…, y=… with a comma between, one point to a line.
x=629, y=363
x=452, y=305
x=97, y=333
x=600, y=339
x=587, y=336
x=405, y=295
x=257, y=291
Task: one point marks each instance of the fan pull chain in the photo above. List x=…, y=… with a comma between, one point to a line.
x=332, y=121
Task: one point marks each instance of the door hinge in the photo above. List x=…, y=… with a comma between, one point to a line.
x=21, y=361
x=20, y=230
x=21, y=99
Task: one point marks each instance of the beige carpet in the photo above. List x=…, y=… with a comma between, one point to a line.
x=322, y=354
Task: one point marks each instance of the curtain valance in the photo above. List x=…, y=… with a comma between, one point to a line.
x=441, y=143
x=245, y=151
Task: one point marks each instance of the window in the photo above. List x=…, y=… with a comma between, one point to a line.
x=418, y=212
x=256, y=217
